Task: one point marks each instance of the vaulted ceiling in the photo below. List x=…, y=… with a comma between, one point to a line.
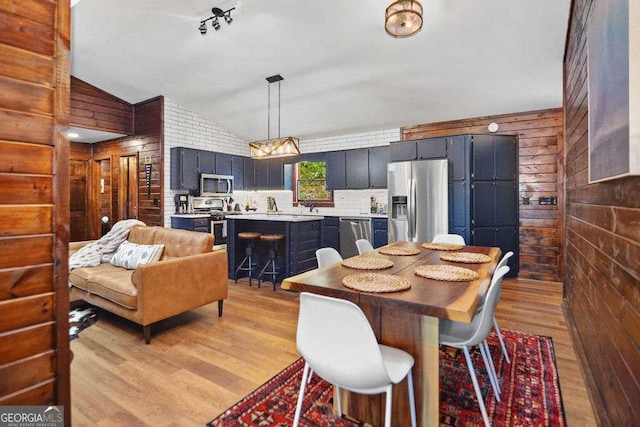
x=342, y=72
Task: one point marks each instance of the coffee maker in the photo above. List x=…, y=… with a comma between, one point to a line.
x=182, y=203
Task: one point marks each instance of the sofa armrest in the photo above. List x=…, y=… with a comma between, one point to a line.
x=76, y=246
x=173, y=286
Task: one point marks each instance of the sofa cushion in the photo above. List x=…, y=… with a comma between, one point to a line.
x=142, y=235
x=114, y=284
x=131, y=255
x=78, y=276
x=180, y=243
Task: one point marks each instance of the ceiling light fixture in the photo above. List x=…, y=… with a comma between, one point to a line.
x=217, y=13
x=403, y=18
x=279, y=147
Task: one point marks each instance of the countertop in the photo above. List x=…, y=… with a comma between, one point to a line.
x=277, y=217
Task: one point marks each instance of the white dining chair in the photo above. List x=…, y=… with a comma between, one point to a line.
x=327, y=256
x=503, y=262
x=364, y=246
x=453, y=239
x=467, y=335
x=336, y=340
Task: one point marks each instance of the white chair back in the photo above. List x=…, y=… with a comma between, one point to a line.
x=337, y=342
x=453, y=239
x=483, y=320
x=504, y=260
x=327, y=256
x=364, y=246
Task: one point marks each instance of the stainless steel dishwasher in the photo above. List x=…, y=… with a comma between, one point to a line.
x=352, y=229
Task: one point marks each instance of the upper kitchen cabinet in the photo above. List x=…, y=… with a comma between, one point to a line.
x=431, y=148
x=249, y=180
x=336, y=170
x=403, y=150
x=184, y=169
x=459, y=155
x=206, y=161
x=357, y=168
x=261, y=167
x=378, y=159
x=237, y=170
x=494, y=157
x=419, y=149
x=223, y=164
x=275, y=174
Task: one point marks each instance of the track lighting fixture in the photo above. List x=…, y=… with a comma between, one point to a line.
x=215, y=23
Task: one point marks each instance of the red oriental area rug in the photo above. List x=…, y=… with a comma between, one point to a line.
x=530, y=391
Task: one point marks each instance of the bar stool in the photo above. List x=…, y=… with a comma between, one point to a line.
x=252, y=265
x=273, y=240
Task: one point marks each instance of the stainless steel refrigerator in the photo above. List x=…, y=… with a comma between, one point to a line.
x=418, y=200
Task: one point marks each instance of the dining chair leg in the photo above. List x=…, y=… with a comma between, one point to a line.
x=310, y=375
x=476, y=387
x=303, y=385
x=488, y=364
x=493, y=369
x=387, y=409
x=499, y=334
x=336, y=393
x=412, y=400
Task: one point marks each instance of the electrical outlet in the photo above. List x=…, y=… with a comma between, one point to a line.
x=526, y=200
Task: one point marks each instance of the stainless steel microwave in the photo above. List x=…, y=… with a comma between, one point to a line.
x=216, y=185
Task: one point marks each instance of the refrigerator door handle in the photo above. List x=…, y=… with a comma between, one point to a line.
x=411, y=214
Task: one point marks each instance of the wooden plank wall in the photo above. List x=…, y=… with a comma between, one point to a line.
x=602, y=253
x=93, y=108
x=540, y=148
x=147, y=145
x=34, y=203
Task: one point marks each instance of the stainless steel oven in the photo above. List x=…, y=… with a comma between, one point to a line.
x=219, y=230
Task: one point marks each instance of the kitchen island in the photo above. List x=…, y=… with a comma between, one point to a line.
x=296, y=253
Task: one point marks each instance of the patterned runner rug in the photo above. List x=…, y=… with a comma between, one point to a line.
x=530, y=391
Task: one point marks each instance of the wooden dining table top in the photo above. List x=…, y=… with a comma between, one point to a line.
x=437, y=298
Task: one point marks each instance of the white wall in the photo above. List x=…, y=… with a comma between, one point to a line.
x=183, y=128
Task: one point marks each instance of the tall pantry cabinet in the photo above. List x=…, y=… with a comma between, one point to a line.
x=483, y=191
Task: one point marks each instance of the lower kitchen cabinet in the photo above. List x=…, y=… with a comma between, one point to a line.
x=506, y=238
x=379, y=226
x=192, y=223
x=330, y=235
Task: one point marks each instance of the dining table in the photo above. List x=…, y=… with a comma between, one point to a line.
x=406, y=319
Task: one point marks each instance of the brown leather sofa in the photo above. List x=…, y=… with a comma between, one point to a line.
x=189, y=275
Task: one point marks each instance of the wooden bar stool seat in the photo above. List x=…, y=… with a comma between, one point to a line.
x=271, y=267
x=251, y=264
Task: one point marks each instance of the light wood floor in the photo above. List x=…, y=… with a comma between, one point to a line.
x=198, y=364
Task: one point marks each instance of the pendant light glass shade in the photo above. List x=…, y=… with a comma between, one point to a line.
x=281, y=147
x=403, y=18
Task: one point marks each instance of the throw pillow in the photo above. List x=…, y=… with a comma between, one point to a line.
x=131, y=255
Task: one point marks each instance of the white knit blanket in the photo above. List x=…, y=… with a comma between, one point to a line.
x=103, y=249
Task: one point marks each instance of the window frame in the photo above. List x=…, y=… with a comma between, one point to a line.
x=317, y=203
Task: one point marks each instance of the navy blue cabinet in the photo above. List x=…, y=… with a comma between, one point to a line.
x=261, y=167
x=330, y=235
x=249, y=173
x=237, y=170
x=192, y=223
x=403, y=151
x=223, y=164
x=431, y=148
x=357, y=168
x=336, y=170
x=206, y=162
x=184, y=169
x=379, y=226
x=275, y=174
x=378, y=159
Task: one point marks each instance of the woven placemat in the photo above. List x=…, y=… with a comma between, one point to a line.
x=400, y=251
x=442, y=246
x=449, y=273
x=367, y=263
x=466, y=257
x=375, y=282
